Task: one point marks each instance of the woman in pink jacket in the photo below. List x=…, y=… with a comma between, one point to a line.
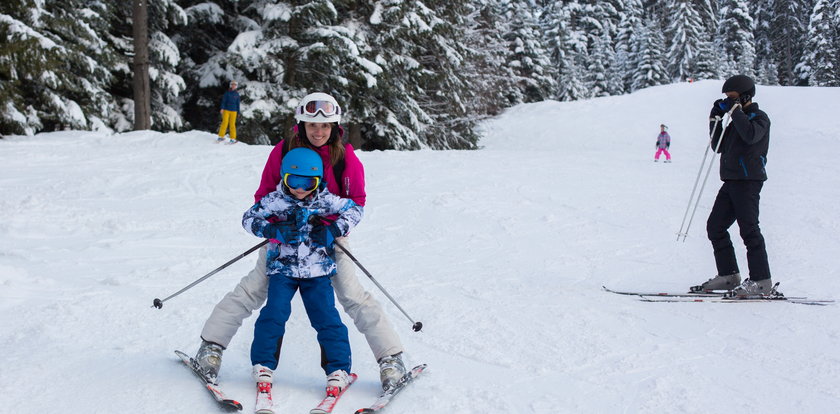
x=318, y=128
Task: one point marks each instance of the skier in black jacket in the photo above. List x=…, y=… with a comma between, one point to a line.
x=743, y=147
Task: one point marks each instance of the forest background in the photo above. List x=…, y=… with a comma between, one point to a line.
x=409, y=74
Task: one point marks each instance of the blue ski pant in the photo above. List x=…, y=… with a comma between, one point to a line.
x=319, y=301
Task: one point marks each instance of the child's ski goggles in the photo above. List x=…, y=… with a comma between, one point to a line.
x=312, y=108
x=301, y=181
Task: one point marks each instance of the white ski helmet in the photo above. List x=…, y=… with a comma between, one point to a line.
x=318, y=107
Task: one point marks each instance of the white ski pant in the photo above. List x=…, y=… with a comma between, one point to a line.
x=249, y=295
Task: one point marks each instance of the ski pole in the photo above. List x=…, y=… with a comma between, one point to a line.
x=708, y=170
x=158, y=303
x=697, y=180
x=417, y=326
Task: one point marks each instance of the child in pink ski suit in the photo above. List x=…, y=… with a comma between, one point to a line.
x=663, y=142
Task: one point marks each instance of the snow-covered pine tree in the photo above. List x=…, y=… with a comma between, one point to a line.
x=166, y=84
x=650, y=57
x=527, y=56
x=493, y=83
x=765, y=63
x=55, y=66
x=600, y=71
x=707, y=64
x=286, y=50
x=685, y=31
x=211, y=27
x=735, y=38
x=787, y=28
x=448, y=88
x=567, y=50
x=422, y=99
x=594, y=24
x=393, y=117
x=820, y=64
x=573, y=82
x=164, y=57
x=707, y=9
x=625, y=48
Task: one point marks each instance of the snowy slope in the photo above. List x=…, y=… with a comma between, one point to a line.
x=501, y=253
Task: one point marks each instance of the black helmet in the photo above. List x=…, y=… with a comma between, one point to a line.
x=742, y=84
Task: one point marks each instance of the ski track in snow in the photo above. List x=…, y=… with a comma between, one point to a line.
x=500, y=252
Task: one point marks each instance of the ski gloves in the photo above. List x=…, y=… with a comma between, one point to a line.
x=288, y=231
x=722, y=106
x=285, y=231
x=325, y=235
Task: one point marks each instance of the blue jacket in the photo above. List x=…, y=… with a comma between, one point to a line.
x=230, y=101
x=278, y=214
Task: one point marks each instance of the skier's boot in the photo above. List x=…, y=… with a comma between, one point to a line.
x=264, y=377
x=726, y=282
x=391, y=370
x=337, y=381
x=263, y=374
x=209, y=358
x=756, y=287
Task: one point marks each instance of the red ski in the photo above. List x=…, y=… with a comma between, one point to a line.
x=328, y=403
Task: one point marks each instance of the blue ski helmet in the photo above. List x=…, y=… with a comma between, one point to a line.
x=302, y=161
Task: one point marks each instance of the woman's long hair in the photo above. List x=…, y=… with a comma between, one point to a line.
x=335, y=143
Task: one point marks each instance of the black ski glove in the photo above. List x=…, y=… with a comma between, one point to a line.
x=722, y=106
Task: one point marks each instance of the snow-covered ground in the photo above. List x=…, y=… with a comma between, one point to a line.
x=500, y=252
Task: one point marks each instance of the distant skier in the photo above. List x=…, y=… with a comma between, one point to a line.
x=743, y=150
x=229, y=110
x=663, y=143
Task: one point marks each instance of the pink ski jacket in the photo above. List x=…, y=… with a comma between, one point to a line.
x=353, y=178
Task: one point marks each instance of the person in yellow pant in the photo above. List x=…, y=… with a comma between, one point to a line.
x=230, y=107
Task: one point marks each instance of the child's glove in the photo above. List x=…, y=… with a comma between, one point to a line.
x=285, y=231
x=324, y=235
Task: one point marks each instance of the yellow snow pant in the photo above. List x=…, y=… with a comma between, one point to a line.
x=228, y=118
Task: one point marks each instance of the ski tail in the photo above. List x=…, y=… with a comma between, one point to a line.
x=385, y=398
x=214, y=389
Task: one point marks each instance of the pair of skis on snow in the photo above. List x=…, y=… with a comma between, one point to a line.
x=265, y=405
x=719, y=296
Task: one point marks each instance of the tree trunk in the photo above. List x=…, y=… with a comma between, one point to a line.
x=142, y=90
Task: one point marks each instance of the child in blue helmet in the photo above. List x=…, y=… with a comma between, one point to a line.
x=300, y=257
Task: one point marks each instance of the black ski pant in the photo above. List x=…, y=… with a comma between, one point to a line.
x=738, y=201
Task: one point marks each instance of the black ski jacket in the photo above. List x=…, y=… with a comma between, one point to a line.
x=744, y=147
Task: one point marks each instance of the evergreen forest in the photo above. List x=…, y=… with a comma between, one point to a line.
x=409, y=74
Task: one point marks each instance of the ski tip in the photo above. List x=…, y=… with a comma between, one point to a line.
x=364, y=410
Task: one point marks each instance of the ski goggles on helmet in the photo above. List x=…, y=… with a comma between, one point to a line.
x=312, y=108
x=304, y=182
